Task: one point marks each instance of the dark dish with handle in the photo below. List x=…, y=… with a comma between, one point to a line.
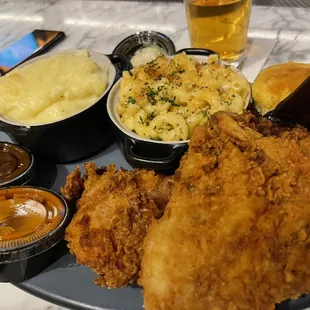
x=77, y=136
x=196, y=51
x=146, y=153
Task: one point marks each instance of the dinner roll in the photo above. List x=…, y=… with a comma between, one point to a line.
x=276, y=82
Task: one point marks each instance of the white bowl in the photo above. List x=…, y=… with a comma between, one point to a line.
x=113, y=99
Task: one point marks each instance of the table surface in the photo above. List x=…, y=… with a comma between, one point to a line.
x=279, y=34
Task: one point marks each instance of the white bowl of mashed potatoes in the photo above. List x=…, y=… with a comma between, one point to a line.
x=55, y=104
x=162, y=102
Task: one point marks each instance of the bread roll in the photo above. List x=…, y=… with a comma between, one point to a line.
x=276, y=82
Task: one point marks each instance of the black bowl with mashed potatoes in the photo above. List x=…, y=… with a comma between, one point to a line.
x=55, y=105
x=156, y=107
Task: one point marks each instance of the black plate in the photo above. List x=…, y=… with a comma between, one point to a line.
x=70, y=285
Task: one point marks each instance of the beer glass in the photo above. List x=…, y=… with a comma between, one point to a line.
x=219, y=25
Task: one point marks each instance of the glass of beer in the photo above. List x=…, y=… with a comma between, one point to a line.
x=219, y=25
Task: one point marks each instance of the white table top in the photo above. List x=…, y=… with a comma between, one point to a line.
x=276, y=34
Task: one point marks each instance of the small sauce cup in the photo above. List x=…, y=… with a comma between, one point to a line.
x=32, y=223
x=16, y=165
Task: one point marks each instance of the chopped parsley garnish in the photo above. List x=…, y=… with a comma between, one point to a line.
x=151, y=95
x=141, y=119
x=147, y=123
x=181, y=71
x=204, y=113
x=156, y=138
x=150, y=116
x=131, y=100
x=166, y=99
x=130, y=73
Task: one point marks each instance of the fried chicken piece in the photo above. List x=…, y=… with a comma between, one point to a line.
x=73, y=189
x=236, y=232
x=114, y=213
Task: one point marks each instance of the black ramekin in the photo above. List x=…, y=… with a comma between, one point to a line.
x=141, y=152
x=75, y=137
x=146, y=153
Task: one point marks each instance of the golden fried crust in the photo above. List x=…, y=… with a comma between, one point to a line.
x=72, y=191
x=113, y=216
x=276, y=82
x=236, y=232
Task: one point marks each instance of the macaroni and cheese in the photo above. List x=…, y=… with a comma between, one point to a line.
x=51, y=88
x=166, y=99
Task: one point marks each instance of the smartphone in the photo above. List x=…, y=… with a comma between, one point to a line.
x=27, y=47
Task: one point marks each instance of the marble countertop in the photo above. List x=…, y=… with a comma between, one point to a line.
x=276, y=34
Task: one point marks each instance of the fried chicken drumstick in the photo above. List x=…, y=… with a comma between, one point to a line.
x=236, y=232
x=112, y=218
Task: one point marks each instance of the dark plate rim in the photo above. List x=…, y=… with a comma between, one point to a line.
x=54, y=298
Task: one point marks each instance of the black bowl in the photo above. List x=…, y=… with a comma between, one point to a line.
x=140, y=152
x=145, y=153
x=78, y=136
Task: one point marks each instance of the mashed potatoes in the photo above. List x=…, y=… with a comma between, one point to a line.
x=51, y=88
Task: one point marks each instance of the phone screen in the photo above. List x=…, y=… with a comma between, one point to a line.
x=23, y=49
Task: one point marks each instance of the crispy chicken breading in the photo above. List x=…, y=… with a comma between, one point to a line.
x=236, y=232
x=113, y=215
x=73, y=189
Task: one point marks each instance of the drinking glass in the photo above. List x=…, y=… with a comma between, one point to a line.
x=219, y=25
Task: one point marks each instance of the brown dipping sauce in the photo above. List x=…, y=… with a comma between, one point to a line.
x=27, y=215
x=14, y=161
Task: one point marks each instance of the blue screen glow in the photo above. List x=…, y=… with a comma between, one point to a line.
x=18, y=51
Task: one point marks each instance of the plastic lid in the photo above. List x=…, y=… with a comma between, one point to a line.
x=138, y=40
x=29, y=219
x=16, y=164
